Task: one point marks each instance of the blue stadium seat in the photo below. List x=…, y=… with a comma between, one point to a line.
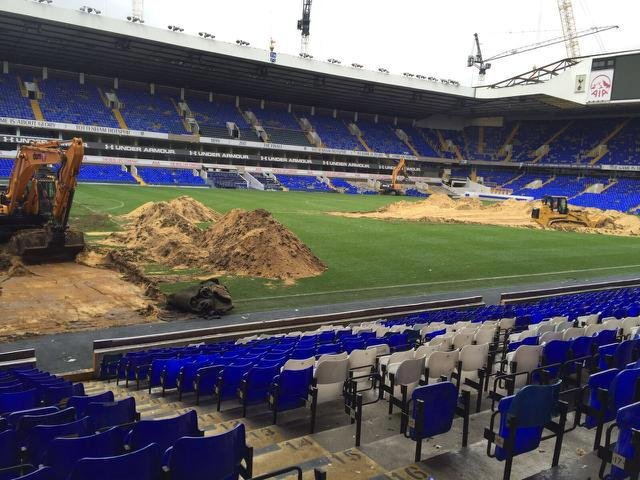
x=218, y=457
x=143, y=464
x=206, y=380
x=41, y=436
x=63, y=453
x=434, y=408
x=164, y=432
x=254, y=386
x=523, y=417
x=12, y=402
x=289, y=390
x=80, y=402
x=229, y=381
x=113, y=414
x=624, y=454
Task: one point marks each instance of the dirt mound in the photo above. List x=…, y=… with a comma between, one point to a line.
x=255, y=243
x=188, y=208
x=239, y=243
x=439, y=208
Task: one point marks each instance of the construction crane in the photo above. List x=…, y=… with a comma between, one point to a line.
x=304, y=25
x=483, y=64
x=565, y=7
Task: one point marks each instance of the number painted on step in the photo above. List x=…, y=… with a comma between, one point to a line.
x=414, y=472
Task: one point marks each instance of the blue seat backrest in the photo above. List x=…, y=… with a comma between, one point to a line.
x=41, y=436
x=556, y=351
x=143, y=464
x=596, y=381
x=208, y=458
x=440, y=400
x=582, y=347
x=623, y=387
x=294, y=387
x=627, y=418
x=27, y=422
x=624, y=354
x=80, y=402
x=605, y=337
x=9, y=450
x=531, y=409
x=12, y=402
x=164, y=432
x=63, y=453
x=231, y=376
x=603, y=352
x=112, y=414
x=12, y=419
x=44, y=473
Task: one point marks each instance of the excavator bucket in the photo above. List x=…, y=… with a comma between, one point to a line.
x=42, y=245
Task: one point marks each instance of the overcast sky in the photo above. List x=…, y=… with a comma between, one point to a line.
x=418, y=36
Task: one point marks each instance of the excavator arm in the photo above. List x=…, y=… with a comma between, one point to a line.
x=400, y=168
x=34, y=210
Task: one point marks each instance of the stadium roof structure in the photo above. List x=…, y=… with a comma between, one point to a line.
x=40, y=34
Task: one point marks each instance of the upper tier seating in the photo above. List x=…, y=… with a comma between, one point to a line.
x=303, y=183
x=624, y=148
x=334, y=133
x=532, y=135
x=13, y=104
x=226, y=180
x=212, y=117
x=418, y=141
x=170, y=176
x=152, y=113
x=578, y=139
x=281, y=126
x=68, y=101
x=382, y=138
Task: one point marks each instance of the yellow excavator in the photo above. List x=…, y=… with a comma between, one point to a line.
x=393, y=188
x=555, y=210
x=34, y=207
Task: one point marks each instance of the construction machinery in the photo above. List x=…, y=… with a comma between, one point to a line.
x=555, y=210
x=34, y=207
x=393, y=188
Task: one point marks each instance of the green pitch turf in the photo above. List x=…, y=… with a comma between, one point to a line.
x=380, y=259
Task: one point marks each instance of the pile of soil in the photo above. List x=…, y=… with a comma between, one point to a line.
x=439, y=208
x=238, y=243
x=255, y=243
x=185, y=206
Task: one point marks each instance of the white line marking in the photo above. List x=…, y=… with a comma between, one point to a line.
x=444, y=282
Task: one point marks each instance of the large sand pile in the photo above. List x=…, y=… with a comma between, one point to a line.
x=254, y=243
x=439, y=208
x=239, y=243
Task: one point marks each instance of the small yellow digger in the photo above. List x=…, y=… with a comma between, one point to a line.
x=555, y=210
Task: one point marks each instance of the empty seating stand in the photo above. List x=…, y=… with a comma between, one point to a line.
x=67, y=101
x=269, y=183
x=303, y=183
x=226, y=179
x=170, y=176
x=104, y=174
x=152, y=113
x=13, y=104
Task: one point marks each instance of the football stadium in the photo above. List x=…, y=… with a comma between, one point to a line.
x=222, y=261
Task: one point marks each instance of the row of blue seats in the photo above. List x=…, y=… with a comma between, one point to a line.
x=97, y=437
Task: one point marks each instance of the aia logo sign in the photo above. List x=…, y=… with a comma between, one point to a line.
x=600, y=87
